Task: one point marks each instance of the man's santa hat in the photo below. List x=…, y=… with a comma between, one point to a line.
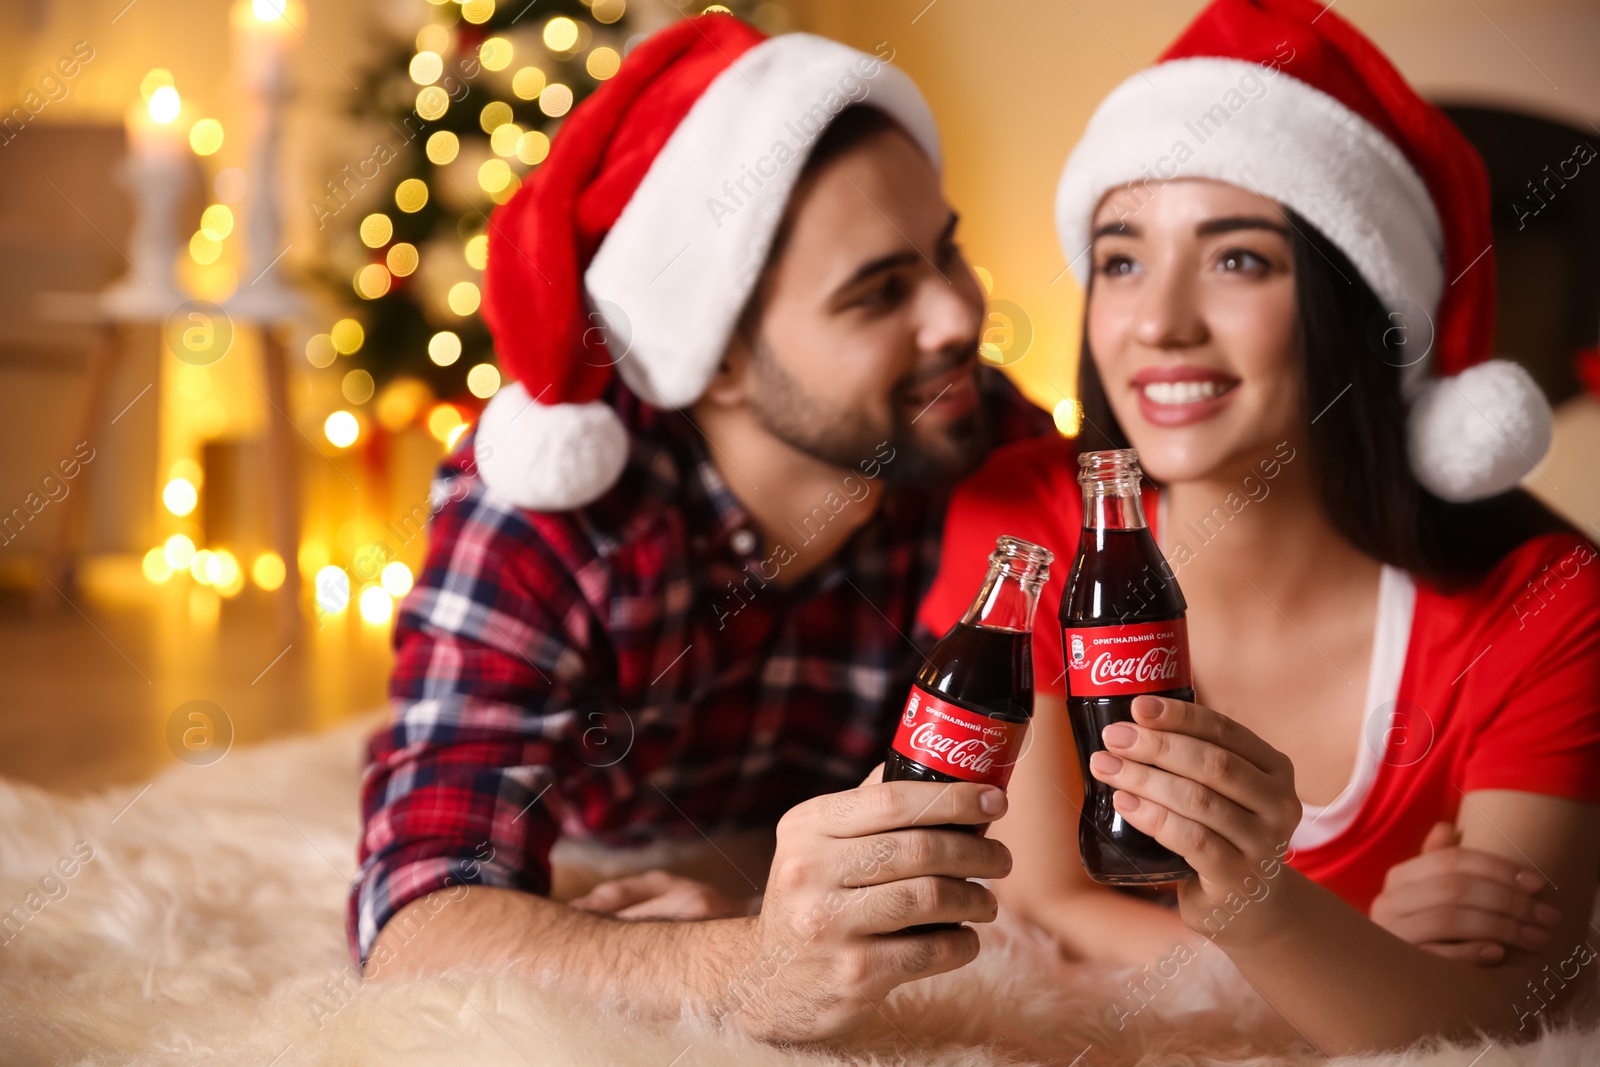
x=1286, y=99
x=635, y=245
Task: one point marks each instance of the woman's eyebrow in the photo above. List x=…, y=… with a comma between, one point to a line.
x=1119, y=228
x=1239, y=222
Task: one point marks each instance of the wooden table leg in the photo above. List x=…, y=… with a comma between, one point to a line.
x=283, y=500
x=61, y=554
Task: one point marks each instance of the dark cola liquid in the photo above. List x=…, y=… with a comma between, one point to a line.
x=981, y=669
x=1115, y=580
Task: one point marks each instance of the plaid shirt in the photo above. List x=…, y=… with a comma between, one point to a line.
x=628, y=671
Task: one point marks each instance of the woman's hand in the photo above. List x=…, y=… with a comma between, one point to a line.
x=659, y=895
x=1463, y=903
x=1210, y=790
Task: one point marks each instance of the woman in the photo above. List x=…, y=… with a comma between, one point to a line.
x=1397, y=660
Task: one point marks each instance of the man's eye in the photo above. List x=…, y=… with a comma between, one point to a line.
x=1118, y=265
x=1242, y=260
x=887, y=293
x=948, y=252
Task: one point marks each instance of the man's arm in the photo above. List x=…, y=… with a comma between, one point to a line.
x=852, y=870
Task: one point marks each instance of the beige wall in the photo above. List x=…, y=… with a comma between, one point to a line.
x=1013, y=83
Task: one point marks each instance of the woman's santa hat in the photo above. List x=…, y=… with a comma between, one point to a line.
x=635, y=245
x=1288, y=100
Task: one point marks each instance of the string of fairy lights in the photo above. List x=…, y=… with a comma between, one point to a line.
x=486, y=89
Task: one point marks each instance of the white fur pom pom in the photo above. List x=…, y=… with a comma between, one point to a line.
x=548, y=457
x=1478, y=433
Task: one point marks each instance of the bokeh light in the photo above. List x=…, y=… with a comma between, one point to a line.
x=372, y=281
x=556, y=100
x=347, y=336
x=602, y=63
x=442, y=147
x=426, y=67
x=268, y=571
x=376, y=607
x=608, y=11
x=376, y=229
x=341, y=429
x=357, y=386
x=444, y=348
x=494, y=175
x=333, y=589
x=1068, y=416
x=477, y=251
x=528, y=83
x=203, y=248
x=205, y=137
x=477, y=12
x=396, y=579
x=216, y=221
x=155, y=566
x=560, y=34
x=179, y=552
x=320, y=351
x=402, y=259
x=180, y=496
x=533, y=147
x=495, y=53
x=483, y=381
x=442, y=420
x=432, y=103
x=495, y=114
x=156, y=79
x=504, y=140
x=464, y=297
x=165, y=104
x=411, y=195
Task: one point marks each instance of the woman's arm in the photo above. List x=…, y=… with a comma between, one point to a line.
x=1211, y=790
x=1048, y=885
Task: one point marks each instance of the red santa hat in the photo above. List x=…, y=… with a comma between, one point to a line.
x=636, y=243
x=1286, y=99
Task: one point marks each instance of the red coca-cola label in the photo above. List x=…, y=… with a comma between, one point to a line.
x=1140, y=657
x=954, y=741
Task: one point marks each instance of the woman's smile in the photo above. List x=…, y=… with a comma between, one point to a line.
x=1181, y=394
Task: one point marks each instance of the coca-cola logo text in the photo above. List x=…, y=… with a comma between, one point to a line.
x=971, y=754
x=1159, y=664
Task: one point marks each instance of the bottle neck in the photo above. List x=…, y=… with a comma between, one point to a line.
x=1113, y=509
x=1010, y=591
x=1112, y=498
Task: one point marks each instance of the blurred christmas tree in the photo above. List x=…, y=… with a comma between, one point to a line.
x=464, y=111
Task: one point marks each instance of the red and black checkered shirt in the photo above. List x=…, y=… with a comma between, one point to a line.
x=623, y=672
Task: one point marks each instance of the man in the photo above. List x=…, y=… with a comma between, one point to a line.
x=638, y=623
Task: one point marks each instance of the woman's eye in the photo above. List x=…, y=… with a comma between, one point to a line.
x=1118, y=265
x=1242, y=260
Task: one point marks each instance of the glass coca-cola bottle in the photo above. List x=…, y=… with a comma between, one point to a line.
x=1124, y=634
x=968, y=711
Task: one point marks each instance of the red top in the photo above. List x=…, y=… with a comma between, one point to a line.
x=1505, y=673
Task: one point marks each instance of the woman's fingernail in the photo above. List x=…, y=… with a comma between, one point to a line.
x=1104, y=763
x=1124, y=801
x=1148, y=706
x=1546, y=913
x=1530, y=880
x=1536, y=934
x=1491, y=952
x=992, y=802
x=1119, y=735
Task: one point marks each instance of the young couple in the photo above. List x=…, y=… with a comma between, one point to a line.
x=732, y=289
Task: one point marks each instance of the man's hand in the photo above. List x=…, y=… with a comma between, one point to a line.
x=659, y=895
x=851, y=871
x=1463, y=903
x=1207, y=788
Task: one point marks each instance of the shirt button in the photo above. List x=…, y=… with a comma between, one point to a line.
x=743, y=542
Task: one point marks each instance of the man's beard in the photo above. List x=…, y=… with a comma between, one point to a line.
x=843, y=437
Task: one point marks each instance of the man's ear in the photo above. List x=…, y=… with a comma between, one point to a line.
x=729, y=385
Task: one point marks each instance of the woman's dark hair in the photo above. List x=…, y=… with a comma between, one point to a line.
x=1357, y=437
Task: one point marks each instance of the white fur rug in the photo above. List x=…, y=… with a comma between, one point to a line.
x=206, y=925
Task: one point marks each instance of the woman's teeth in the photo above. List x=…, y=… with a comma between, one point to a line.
x=1184, y=392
